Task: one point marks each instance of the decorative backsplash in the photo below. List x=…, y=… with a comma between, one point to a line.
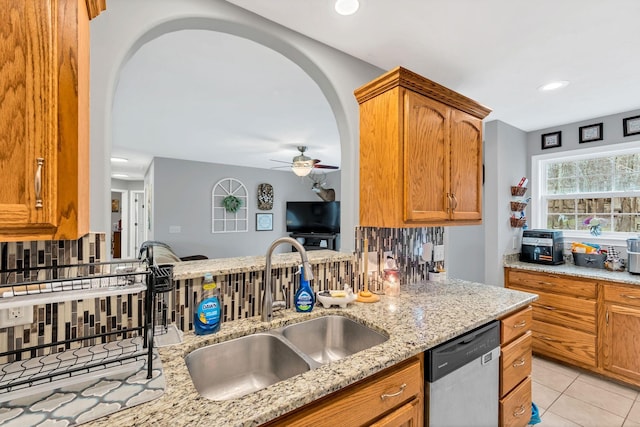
x=404, y=243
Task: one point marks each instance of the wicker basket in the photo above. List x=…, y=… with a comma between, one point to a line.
x=518, y=222
x=518, y=191
x=518, y=206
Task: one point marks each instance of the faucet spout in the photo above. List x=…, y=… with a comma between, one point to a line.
x=267, y=298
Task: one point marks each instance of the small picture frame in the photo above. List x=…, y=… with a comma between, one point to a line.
x=631, y=126
x=590, y=133
x=115, y=205
x=264, y=222
x=551, y=140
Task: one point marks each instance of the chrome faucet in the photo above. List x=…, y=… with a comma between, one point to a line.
x=267, y=298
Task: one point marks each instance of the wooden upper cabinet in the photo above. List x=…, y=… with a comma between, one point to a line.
x=44, y=119
x=420, y=153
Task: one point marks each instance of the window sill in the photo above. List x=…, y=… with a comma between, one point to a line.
x=603, y=240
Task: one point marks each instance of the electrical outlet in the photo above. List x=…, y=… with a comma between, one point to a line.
x=16, y=316
x=438, y=253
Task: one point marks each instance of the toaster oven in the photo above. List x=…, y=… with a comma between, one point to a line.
x=542, y=247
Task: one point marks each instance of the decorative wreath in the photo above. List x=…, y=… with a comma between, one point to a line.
x=231, y=203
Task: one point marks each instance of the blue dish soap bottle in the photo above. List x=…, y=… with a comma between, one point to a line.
x=206, y=317
x=304, y=298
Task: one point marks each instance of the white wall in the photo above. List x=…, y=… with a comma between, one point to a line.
x=182, y=197
x=126, y=25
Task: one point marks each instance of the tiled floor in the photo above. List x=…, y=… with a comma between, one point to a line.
x=568, y=397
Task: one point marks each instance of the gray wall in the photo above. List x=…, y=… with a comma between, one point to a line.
x=126, y=25
x=182, y=197
x=612, y=133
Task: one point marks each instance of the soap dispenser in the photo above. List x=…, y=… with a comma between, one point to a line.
x=304, y=298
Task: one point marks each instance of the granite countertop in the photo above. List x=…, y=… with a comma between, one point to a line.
x=424, y=315
x=574, y=270
x=219, y=266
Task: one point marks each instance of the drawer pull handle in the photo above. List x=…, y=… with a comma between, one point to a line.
x=519, y=363
x=542, y=337
x=520, y=411
x=548, y=307
x=629, y=296
x=398, y=393
x=520, y=324
x=545, y=283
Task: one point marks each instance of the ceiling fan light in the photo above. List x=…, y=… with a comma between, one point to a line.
x=302, y=169
x=347, y=7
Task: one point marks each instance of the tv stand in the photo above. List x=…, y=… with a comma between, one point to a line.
x=312, y=241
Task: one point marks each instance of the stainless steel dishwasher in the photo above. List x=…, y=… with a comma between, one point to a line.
x=461, y=387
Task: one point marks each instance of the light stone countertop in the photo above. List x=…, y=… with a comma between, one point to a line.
x=220, y=266
x=574, y=270
x=423, y=316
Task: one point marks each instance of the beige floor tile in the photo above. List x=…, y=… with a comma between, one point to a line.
x=549, y=419
x=634, y=414
x=628, y=423
x=566, y=370
x=583, y=413
x=542, y=395
x=550, y=378
x=609, y=385
x=598, y=396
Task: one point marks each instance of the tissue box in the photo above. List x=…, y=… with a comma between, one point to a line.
x=589, y=260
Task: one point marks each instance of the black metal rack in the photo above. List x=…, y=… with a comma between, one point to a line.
x=44, y=363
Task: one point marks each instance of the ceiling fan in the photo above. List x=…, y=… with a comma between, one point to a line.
x=302, y=165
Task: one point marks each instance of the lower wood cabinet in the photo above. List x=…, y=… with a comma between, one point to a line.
x=515, y=369
x=592, y=324
x=621, y=332
x=391, y=398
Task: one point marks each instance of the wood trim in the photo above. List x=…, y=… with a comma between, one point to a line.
x=400, y=76
x=95, y=7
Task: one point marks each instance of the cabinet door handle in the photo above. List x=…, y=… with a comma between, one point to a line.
x=521, y=410
x=629, y=296
x=455, y=199
x=398, y=393
x=543, y=337
x=449, y=202
x=548, y=307
x=520, y=324
x=521, y=362
x=38, y=182
x=606, y=316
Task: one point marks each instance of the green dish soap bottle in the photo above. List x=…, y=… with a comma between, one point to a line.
x=304, y=298
x=206, y=317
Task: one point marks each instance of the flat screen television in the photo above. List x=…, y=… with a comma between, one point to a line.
x=313, y=217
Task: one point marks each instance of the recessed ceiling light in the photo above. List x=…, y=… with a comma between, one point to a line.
x=119, y=175
x=119, y=160
x=347, y=7
x=553, y=85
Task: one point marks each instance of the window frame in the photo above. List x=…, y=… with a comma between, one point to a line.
x=538, y=183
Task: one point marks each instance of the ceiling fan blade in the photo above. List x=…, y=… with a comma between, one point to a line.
x=321, y=166
x=279, y=161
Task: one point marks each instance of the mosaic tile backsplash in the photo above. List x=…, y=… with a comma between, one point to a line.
x=240, y=292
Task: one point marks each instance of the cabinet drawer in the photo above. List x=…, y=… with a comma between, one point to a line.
x=515, y=409
x=572, y=312
x=363, y=402
x=627, y=295
x=515, y=325
x=566, y=285
x=408, y=415
x=564, y=343
x=515, y=363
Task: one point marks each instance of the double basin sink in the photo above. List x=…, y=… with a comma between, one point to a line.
x=235, y=368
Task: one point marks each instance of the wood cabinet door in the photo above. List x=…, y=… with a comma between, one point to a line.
x=408, y=415
x=28, y=104
x=466, y=166
x=622, y=341
x=426, y=159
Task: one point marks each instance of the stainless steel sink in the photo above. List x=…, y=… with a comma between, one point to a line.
x=329, y=338
x=234, y=368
